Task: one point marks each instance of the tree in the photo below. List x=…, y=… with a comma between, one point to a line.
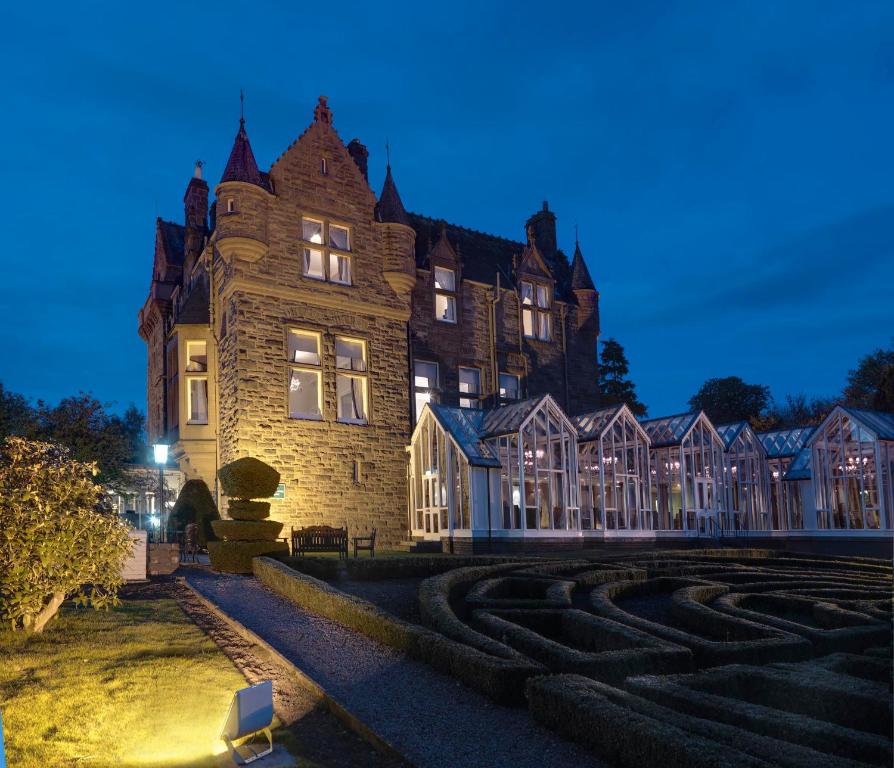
x=614, y=386
x=17, y=417
x=195, y=504
x=871, y=384
x=730, y=399
x=58, y=539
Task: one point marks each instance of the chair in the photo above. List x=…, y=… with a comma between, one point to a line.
x=189, y=546
x=366, y=542
x=250, y=715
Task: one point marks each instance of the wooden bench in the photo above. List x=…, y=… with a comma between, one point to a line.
x=366, y=542
x=319, y=538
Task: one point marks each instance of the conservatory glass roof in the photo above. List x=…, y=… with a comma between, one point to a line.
x=509, y=418
x=880, y=423
x=669, y=430
x=465, y=425
x=785, y=442
x=800, y=467
x=729, y=432
x=591, y=425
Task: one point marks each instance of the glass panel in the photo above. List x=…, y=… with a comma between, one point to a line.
x=445, y=279
x=304, y=348
x=350, y=354
x=469, y=383
x=509, y=386
x=198, y=401
x=425, y=374
x=543, y=296
x=197, y=356
x=544, y=326
x=338, y=237
x=527, y=293
x=313, y=263
x=340, y=268
x=304, y=395
x=527, y=322
x=445, y=308
x=350, y=393
x=312, y=231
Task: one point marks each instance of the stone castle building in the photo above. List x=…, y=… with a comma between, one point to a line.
x=301, y=319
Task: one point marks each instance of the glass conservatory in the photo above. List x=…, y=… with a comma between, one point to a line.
x=686, y=467
x=613, y=453
x=852, y=460
x=511, y=470
x=745, y=479
x=785, y=496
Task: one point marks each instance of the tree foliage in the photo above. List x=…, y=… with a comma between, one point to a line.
x=614, y=386
x=730, y=399
x=195, y=504
x=797, y=411
x=871, y=384
x=57, y=539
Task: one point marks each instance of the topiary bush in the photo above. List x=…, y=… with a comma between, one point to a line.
x=58, y=539
x=195, y=504
x=248, y=478
x=242, y=509
x=236, y=556
x=247, y=530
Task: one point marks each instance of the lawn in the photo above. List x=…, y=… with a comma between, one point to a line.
x=140, y=685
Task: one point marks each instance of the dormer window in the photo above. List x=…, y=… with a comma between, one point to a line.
x=536, y=300
x=231, y=205
x=445, y=295
x=326, y=251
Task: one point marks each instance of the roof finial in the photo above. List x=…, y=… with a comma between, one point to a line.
x=241, y=107
x=576, y=240
x=387, y=153
x=197, y=172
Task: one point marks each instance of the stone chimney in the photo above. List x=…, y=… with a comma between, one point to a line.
x=361, y=155
x=195, y=201
x=541, y=227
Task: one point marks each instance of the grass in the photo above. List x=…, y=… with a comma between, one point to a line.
x=140, y=685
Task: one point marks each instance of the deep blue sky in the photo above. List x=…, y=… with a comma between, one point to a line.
x=730, y=164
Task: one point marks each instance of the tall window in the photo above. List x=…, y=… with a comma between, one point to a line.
x=305, y=374
x=197, y=363
x=327, y=251
x=445, y=295
x=536, y=301
x=173, y=398
x=425, y=384
x=509, y=386
x=469, y=387
x=351, y=380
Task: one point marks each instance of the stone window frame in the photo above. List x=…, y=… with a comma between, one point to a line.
x=474, y=399
x=454, y=294
x=326, y=250
x=351, y=373
x=536, y=310
x=292, y=366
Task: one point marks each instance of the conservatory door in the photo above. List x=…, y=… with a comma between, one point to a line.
x=704, y=501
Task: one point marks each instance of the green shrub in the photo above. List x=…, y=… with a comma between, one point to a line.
x=247, y=530
x=236, y=556
x=195, y=504
x=248, y=478
x=242, y=509
x=56, y=538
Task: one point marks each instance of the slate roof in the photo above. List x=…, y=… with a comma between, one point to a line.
x=668, y=430
x=464, y=425
x=195, y=309
x=172, y=238
x=242, y=166
x=580, y=275
x=785, y=442
x=390, y=209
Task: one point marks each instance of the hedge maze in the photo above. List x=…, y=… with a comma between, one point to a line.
x=672, y=658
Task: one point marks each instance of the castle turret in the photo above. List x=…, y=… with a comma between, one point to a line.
x=399, y=236
x=195, y=218
x=241, y=208
x=582, y=286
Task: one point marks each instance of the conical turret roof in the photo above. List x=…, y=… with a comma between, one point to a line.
x=580, y=275
x=390, y=209
x=242, y=166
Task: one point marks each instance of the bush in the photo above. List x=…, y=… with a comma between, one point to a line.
x=56, y=540
x=242, y=509
x=195, y=505
x=236, y=556
x=247, y=530
x=248, y=478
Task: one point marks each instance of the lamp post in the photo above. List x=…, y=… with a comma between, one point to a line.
x=160, y=451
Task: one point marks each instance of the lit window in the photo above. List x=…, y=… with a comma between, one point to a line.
x=509, y=386
x=313, y=264
x=425, y=384
x=197, y=386
x=324, y=263
x=304, y=382
x=339, y=237
x=445, y=299
x=351, y=389
x=197, y=356
x=536, y=314
x=469, y=384
x=231, y=205
x=340, y=268
x=312, y=231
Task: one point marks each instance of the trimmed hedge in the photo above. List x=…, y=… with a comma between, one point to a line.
x=237, y=556
x=243, y=509
x=584, y=572
x=520, y=592
x=248, y=478
x=247, y=530
x=501, y=679
x=195, y=504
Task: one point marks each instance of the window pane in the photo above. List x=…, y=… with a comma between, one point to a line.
x=543, y=296
x=509, y=386
x=304, y=395
x=313, y=263
x=198, y=401
x=312, y=231
x=445, y=308
x=421, y=398
x=466, y=402
x=543, y=325
x=425, y=374
x=470, y=381
x=445, y=279
x=340, y=268
x=527, y=293
x=338, y=237
x=527, y=322
x=198, y=358
x=350, y=354
x=350, y=392
x=304, y=348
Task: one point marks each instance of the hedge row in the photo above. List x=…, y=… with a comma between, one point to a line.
x=502, y=680
x=869, y=667
x=584, y=572
x=575, y=641
x=398, y=567
x=520, y=592
x=824, y=737
x=772, y=646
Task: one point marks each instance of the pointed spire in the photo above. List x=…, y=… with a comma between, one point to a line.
x=390, y=209
x=242, y=166
x=580, y=275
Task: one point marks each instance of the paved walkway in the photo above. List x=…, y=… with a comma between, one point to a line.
x=429, y=717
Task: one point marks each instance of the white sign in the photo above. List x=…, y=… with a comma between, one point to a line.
x=134, y=568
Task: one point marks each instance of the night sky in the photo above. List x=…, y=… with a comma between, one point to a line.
x=729, y=164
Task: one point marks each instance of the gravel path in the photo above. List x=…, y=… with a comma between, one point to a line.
x=400, y=597
x=429, y=717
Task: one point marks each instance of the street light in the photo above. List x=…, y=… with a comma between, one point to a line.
x=161, y=458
